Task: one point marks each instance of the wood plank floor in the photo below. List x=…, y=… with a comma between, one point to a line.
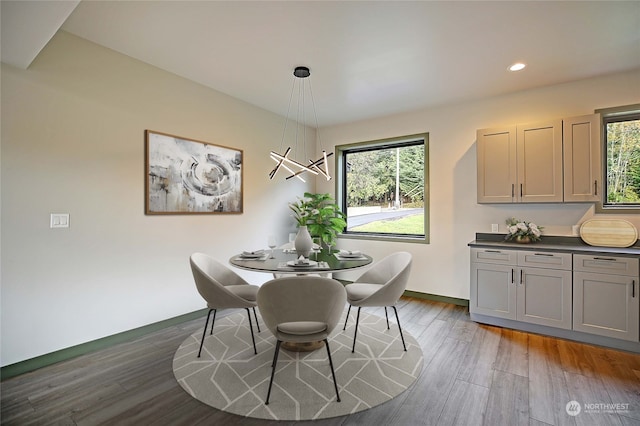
x=473, y=375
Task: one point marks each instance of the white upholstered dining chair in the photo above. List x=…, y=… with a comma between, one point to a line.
x=301, y=309
x=381, y=285
x=222, y=288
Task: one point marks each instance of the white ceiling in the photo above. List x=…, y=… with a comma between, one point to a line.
x=367, y=59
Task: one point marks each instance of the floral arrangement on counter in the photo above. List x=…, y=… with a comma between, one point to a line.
x=321, y=215
x=521, y=231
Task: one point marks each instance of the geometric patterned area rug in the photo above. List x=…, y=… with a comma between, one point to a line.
x=229, y=377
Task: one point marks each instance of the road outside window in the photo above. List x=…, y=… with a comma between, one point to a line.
x=383, y=188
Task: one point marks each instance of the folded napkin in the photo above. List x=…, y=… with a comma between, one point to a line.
x=319, y=265
x=349, y=253
x=302, y=261
x=315, y=247
x=252, y=253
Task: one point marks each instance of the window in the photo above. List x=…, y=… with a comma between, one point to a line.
x=383, y=188
x=621, y=140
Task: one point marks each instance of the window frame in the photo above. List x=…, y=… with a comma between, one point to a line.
x=608, y=115
x=340, y=173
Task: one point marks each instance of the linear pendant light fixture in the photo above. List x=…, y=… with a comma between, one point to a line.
x=286, y=160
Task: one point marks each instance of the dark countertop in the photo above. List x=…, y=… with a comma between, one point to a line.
x=552, y=243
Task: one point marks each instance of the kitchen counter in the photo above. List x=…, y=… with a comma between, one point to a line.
x=573, y=291
x=553, y=244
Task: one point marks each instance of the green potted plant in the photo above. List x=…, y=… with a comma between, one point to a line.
x=321, y=215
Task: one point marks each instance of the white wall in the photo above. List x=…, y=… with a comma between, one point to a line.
x=442, y=267
x=73, y=142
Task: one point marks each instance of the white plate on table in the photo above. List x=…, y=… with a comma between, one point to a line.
x=350, y=254
x=309, y=264
x=251, y=255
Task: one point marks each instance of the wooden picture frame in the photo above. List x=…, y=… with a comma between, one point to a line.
x=187, y=176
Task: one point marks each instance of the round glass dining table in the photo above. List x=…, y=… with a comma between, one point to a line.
x=285, y=262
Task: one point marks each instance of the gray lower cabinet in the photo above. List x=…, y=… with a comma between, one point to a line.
x=544, y=297
x=527, y=286
x=493, y=291
x=605, y=296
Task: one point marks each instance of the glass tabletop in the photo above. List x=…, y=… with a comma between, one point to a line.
x=284, y=262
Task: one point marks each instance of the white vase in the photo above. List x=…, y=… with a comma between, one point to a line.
x=303, y=242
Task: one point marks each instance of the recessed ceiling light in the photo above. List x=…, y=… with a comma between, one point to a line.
x=517, y=66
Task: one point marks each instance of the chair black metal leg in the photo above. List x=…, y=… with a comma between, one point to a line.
x=214, y=320
x=273, y=370
x=400, y=328
x=326, y=343
x=256, y=316
x=255, y=351
x=204, y=333
x=355, y=333
x=387, y=317
x=347, y=318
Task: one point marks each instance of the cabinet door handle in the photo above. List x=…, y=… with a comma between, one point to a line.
x=492, y=251
x=608, y=259
x=520, y=190
x=633, y=288
x=513, y=189
x=521, y=277
x=511, y=275
x=595, y=187
x=543, y=254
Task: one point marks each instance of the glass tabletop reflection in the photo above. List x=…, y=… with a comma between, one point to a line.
x=285, y=262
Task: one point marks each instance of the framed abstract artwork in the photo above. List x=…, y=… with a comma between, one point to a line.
x=186, y=176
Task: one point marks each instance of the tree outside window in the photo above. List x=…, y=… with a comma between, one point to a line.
x=382, y=188
x=622, y=134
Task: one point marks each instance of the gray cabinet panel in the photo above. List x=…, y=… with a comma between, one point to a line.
x=544, y=297
x=545, y=260
x=606, y=305
x=539, y=149
x=582, y=154
x=502, y=285
x=595, y=294
x=493, y=291
x=627, y=266
x=496, y=162
x=552, y=161
x=502, y=257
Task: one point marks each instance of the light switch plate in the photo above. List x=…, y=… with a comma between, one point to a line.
x=494, y=227
x=59, y=220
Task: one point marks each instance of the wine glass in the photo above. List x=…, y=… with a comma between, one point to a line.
x=271, y=242
x=315, y=249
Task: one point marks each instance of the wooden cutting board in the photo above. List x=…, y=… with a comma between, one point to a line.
x=608, y=233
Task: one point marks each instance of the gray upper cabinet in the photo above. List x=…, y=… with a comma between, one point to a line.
x=546, y=162
x=582, y=158
x=496, y=151
x=539, y=162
